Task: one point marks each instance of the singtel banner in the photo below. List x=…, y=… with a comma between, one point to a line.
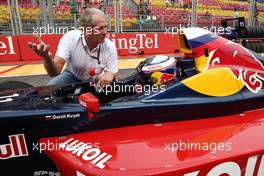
x=15, y=48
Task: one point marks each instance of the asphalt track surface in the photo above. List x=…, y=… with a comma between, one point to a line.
x=35, y=74
x=40, y=80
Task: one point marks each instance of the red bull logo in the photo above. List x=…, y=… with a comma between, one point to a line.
x=242, y=63
x=16, y=147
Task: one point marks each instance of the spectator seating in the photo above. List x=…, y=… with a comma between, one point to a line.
x=4, y=15
x=169, y=16
x=218, y=9
x=129, y=19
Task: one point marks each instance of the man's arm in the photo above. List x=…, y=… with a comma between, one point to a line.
x=52, y=65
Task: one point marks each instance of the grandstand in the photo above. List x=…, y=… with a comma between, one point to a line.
x=22, y=17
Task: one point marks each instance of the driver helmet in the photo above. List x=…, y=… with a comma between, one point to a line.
x=159, y=70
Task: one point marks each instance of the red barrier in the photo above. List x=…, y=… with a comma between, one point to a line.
x=16, y=48
x=9, y=49
x=28, y=54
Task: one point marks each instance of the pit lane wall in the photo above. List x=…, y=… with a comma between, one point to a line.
x=15, y=48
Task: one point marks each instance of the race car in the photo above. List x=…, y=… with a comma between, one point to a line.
x=195, y=115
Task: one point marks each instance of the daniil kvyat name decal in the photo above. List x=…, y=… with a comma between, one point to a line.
x=16, y=147
x=90, y=153
x=62, y=116
x=232, y=168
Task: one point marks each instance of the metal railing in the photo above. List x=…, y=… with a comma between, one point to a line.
x=17, y=18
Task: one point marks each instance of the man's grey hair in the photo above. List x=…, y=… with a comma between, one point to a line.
x=86, y=19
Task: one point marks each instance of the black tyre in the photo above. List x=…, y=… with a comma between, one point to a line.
x=248, y=45
x=254, y=32
x=258, y=32
x=249, y=32
x=258, y=47
x=243, y=43
x=262, y=47
x=243, y=33
x=261, y=32
x=11, y=85
x=252, y=46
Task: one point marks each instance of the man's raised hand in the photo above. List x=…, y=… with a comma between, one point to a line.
x=40, y=49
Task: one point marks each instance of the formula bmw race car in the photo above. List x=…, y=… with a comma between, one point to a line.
x=195, y=115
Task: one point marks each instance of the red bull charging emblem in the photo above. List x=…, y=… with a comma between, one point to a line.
x=241, y=62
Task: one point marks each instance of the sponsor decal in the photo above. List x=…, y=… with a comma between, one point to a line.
x=232, y=168
x=86, y=152
x=133, y=44
x=152, y=68
x=7, y=47
x=242, y=64
x=17, y=147
x=161, y=66
x=62, y=116
x=46, y=173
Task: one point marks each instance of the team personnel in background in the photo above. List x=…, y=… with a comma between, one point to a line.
x=81, y=50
